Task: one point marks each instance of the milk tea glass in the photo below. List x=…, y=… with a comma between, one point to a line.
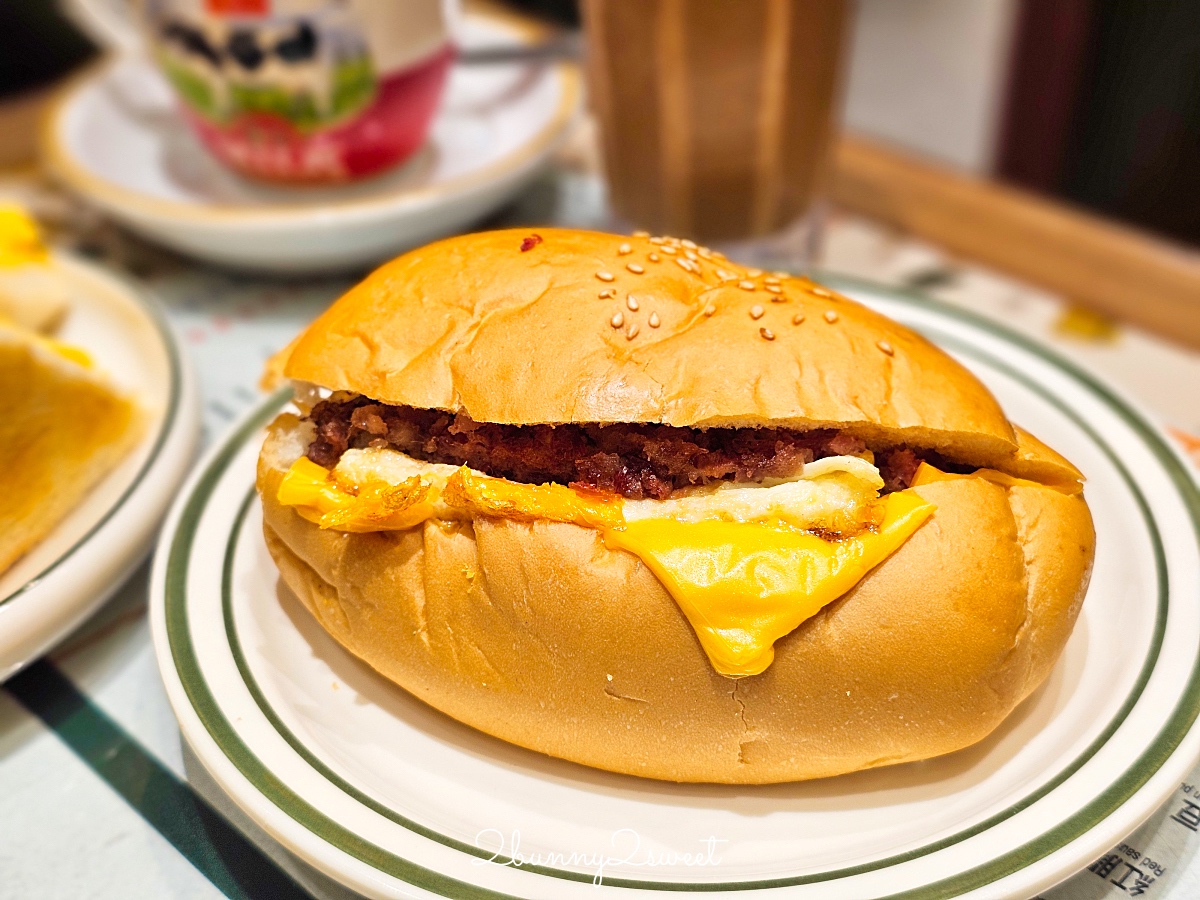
x=717, y=116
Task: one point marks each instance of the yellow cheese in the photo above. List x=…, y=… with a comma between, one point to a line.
x=745, y=585
x=20, y=240
x=378, y=506
x=331, y=501
x=69, y=352
x=927, y=474
x=505, y=499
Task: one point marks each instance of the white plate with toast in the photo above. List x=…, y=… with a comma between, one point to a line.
x=393, y=799
x=109, y=527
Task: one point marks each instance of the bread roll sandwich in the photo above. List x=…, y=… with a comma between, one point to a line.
x=624, y=502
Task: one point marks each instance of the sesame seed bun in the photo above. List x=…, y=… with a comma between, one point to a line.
x=541, y=636
x=548, y=335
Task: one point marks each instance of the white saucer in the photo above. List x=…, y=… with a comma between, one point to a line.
x=116, y=139
x=65, y=577
x=393, y=799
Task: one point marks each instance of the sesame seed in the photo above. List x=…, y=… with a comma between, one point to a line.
x=625, y=248
x=819, y=292
x=692, y=255
x=885, y=347
x=773, y=288
x=654, y=320
x=754, y=273
x=691, y=245
x=704, y=252
x=767, y=333
x=635, y=268
x=617, y=320
x=670, y=251
x=756, y=311
x=607, y=292
x=780, y=275
x=771, y=279
x=631, y=302
x=709, y=310
x=605, y=276
x=746, y=285
x=654, y=257
x=797, y=318
x=641, y=234
x=658, y=241
x=830, y=316
x=725, y=276
x=631, y=332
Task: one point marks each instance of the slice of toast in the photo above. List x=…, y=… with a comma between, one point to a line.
x=63, y=426
x=33, y=293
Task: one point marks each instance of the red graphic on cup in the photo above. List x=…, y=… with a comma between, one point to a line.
x=237, y=7
x=386, y=133
x=311, y=92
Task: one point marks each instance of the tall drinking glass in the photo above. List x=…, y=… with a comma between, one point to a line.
x=717, y=116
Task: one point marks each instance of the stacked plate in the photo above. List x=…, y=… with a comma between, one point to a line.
x=395, y=800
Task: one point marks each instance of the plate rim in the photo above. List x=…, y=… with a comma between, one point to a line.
x=1132, y=779
x=175, y=401
x=224, y=216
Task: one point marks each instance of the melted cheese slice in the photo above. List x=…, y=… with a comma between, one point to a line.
x=927, y=474
x=744, y=585
x=739, y=560
x=317, y=495
x=20, y=239
x=375, y=493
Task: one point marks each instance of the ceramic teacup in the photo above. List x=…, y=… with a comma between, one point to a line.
x=304, y=90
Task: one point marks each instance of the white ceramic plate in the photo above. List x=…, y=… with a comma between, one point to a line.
x=116, y=139
x=65, y=577
x=393, y=799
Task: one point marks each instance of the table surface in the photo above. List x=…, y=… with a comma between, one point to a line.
x=98, y=796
